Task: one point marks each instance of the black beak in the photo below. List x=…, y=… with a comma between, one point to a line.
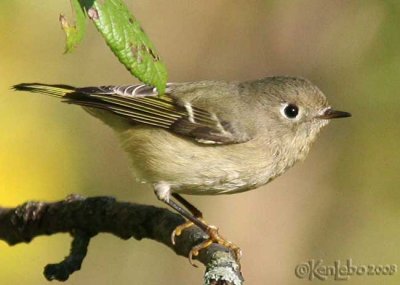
x=333, y=114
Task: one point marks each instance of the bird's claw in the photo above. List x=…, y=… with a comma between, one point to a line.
x=214, y=237
x=179, y=229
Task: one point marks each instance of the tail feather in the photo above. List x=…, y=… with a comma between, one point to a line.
x=139, y=104
x=58, y=90
x=77, y=96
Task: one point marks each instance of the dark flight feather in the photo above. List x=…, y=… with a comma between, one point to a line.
x=141, y=104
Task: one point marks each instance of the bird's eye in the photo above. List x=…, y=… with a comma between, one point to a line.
x=291, y=111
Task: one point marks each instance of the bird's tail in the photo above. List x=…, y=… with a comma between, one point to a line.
x=73, y=95
x=52, y=90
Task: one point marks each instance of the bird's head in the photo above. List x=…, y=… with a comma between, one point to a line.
x=295, y=110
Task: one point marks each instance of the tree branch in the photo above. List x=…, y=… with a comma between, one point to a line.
x=84, y=218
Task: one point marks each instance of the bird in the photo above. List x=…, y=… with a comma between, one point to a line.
x=206, y=137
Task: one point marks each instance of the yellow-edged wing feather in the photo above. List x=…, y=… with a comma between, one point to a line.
x=141, y=104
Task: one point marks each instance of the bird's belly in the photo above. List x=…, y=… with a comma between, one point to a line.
x=191, y=168
x=209, y=185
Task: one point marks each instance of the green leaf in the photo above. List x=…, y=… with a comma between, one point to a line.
x=128, y=41
x=75, y=32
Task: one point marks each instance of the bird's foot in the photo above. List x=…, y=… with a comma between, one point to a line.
x=214, y=237
x=179, y=229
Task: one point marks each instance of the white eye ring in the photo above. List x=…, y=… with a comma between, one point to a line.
x=290, y=111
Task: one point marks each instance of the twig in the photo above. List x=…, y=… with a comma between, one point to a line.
x=84, y=218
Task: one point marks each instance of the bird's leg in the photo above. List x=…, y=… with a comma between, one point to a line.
x=212, y=231
x=163, y=193
x=192, y=209
x=215, y=237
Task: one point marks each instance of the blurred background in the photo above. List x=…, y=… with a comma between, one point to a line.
x=341, y=203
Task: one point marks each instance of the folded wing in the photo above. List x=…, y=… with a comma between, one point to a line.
x=141, y=104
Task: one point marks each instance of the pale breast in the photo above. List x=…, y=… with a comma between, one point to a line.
x=197, y=169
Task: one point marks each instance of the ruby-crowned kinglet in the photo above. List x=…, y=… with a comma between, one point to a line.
x=207, y=137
